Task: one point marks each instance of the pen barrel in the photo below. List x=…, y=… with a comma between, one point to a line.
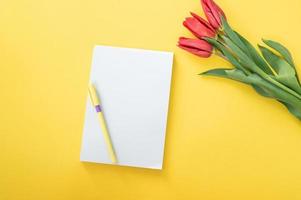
x=104, y=130
x=93, y=95
x=107, y=137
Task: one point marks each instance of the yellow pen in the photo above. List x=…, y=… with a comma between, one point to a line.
x=96, y=104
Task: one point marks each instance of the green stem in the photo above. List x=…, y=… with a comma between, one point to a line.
x=292, y=92
x=280, y=85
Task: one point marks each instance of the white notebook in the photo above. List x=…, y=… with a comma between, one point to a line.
x=134, y=89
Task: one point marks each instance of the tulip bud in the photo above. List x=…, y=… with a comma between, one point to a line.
x=213, y=13
x=196, y=46
x=199, y=27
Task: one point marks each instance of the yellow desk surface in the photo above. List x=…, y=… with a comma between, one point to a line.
x=224, y=142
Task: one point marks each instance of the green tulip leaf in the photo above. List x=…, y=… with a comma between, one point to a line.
x=262, y=87
x=256, y=56
x=243, y=58
x=284, y=72
x=296, y=111
x=234, y=74
x=274, y=91
x=282, y=50
x=262, y=91
x=226, y=53
x=232, y=35
x=292, y=103
x=240, y=54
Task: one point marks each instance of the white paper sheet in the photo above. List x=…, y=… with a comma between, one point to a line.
x=134, y=88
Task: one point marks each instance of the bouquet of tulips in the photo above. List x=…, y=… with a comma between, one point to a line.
x=271, y=72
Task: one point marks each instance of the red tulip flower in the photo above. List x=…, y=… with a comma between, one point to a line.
x=249, y=66
x=196, y=46
x=199, y=27
x=213, y=13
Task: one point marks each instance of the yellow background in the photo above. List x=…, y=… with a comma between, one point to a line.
x=224, y=142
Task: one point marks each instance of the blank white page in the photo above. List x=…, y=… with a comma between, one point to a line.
x=134, y=88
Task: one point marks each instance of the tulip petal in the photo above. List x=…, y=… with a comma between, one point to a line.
x=196, y=43
x=213, y=13
x=203, y=21
x=195, y=46
x=197, y=28
x=203, y=54
x=216, y=11
x=210, y=16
